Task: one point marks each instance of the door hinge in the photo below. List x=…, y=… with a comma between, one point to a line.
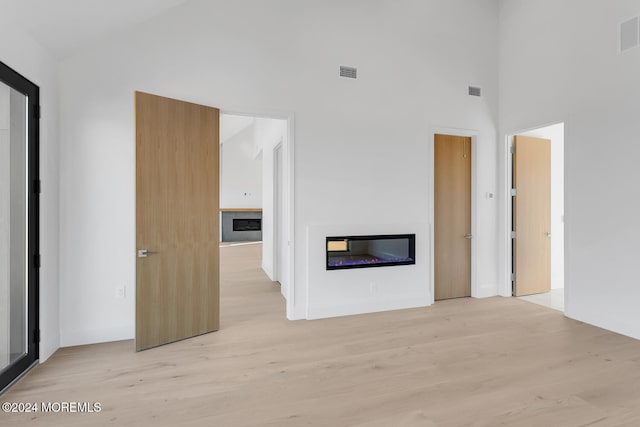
x=37, y=261
x=36, y=336
x=513, y=234
x=512, y=149
x=514, y=192
x=37, y=186
x=37, y=112
x=513, y=277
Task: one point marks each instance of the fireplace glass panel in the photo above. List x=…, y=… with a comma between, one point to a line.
x=247, y=224
x=370, y=251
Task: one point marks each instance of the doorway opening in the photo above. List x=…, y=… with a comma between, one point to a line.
x=178, y=200
x=536, y=215
x=252, y=188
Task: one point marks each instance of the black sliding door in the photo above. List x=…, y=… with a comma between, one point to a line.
x=19, y=255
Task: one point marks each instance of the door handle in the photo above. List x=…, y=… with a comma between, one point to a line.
x=142, y=253
x=468, y=236
x=548, y=233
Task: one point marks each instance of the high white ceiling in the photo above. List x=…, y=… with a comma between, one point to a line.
x=66, y=26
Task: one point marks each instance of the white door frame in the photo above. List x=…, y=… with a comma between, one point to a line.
x=474, y=217
x=277, y=212
x=288, y=178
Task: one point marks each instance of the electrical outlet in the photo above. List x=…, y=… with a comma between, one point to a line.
x=120, y=292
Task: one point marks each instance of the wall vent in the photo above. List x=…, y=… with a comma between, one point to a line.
x=630, y=34
x=475, y=91
x=348, y=72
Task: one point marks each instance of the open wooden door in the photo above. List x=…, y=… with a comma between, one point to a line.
x=177, y=173
x=532, y=215
x=452, y=159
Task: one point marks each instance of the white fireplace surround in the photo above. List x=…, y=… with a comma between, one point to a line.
x=365, y=290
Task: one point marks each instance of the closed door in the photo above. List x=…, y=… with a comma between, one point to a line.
x=177, y=175
x=452, y=216
x=532, y=215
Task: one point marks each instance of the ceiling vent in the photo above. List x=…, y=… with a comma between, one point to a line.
x=475, y=91
x=348, y=72
x=629, y=34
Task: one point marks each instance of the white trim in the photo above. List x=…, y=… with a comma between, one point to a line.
x=293, y=312
x=505, y=289
x=277, y=199
x=475, y=292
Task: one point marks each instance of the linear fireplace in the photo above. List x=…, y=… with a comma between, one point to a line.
x=247, y=224
x=370, y=251
x=241, y=225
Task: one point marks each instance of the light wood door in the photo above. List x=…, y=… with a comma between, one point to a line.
x=452, y=216
x=177, y=173
x=532, y=215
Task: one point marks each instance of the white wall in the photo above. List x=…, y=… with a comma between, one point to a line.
x=271, y=132
x=572, y=72
x=19, y=51
x=247, y=172
x=240, y=169
x=361, y=145
x=246, y=178
x=555, y=133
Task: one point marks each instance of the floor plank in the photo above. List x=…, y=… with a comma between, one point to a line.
x=463, y=362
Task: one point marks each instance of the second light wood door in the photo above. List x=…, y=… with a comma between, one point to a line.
x=452, y=216
x=532, y=215
x=177, y=172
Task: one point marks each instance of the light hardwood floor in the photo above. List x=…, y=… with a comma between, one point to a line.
x=464, y=362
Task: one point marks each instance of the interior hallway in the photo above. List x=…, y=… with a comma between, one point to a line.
x=480, y=362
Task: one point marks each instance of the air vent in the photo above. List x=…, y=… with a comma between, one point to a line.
x=475, y=91
x=629, y=34
x=348, y=72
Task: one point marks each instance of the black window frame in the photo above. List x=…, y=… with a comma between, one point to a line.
x=16, y=81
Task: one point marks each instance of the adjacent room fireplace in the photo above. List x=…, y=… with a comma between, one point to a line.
x=247, y=224
x=370, y=251
x=241, y=225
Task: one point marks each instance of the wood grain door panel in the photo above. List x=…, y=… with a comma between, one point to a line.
x=452, y=216
x=177, y=173
x=532, y=215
